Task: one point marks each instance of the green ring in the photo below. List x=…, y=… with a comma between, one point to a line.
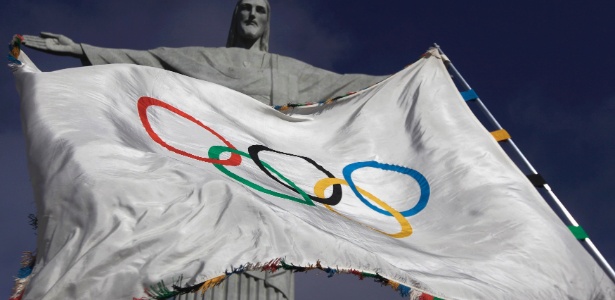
x=214, y=153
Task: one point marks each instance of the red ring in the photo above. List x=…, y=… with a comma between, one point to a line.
x=145, y=102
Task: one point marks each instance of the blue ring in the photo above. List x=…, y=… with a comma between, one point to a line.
x=420, y=179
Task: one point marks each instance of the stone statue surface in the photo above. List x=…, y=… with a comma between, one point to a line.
x=245, y=65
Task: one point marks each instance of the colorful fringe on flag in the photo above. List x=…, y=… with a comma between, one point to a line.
x=319, y=103
x=15, y=49
x=23, y=277
x=161, y=291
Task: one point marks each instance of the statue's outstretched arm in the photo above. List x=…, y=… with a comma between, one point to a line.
x=54, y=43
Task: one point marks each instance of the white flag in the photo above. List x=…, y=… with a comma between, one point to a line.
x=143, y=176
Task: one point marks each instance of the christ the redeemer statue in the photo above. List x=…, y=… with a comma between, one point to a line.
x=245, y=65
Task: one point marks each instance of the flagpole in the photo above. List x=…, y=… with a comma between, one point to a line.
x=596, y=253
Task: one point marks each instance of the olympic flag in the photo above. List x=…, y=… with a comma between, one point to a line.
x=144, y=176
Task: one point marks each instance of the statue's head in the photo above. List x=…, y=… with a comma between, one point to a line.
x=250, y=25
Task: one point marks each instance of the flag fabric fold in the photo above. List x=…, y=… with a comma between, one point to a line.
x=144, y=176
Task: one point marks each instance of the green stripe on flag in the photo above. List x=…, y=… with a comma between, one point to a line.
x=578, y=232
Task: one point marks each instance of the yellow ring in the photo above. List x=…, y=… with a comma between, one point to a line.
x=406, y=229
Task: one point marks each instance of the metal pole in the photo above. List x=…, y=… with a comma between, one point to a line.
x=596, y=253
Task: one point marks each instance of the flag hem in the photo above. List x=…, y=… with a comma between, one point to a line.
x=161, y=291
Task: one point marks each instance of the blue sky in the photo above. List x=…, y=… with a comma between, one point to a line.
x=544, y=69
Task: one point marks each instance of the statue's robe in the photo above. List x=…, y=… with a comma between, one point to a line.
x=270, y=78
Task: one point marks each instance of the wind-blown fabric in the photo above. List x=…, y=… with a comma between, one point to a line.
x=142, y=175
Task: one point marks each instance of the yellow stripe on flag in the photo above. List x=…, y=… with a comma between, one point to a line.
x=500, y=135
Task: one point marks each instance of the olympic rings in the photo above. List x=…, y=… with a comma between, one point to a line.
x=145, y=102
x=406, y=229
x=334, y=199
x=422, y=181
x=215, y=151
x=319, y=189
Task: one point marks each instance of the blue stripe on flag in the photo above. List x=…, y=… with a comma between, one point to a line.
x=469, y=95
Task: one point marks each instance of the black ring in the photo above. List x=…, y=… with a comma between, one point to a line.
x=335, y=197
